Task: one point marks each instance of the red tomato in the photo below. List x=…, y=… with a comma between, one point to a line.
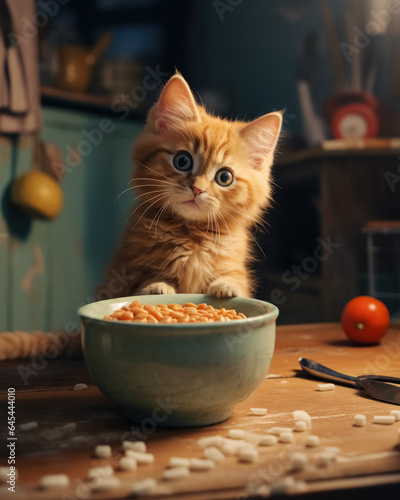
x=365, y=320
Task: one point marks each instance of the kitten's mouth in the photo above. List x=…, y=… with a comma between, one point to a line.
x=191, y=203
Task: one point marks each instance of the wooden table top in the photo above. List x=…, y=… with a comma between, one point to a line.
x=369, y=456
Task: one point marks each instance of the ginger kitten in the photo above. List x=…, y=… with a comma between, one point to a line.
x=202, y=182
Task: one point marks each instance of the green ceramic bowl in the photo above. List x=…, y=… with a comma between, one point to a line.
x=179, y=375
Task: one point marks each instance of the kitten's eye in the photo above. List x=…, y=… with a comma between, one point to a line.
x=224, y=177
x=183, y=161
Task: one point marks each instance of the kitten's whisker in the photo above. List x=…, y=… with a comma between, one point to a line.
x=216, y=241
x=159, y=197
x=155, y=217
x=256, y=242
x=143, y=202
x=163, y=209
x=116, y=199
x=226, y=225
x=152, y=179
x=208, y=223
x=151, y=192
x=162, y=213
x=158, y=211
x=155, y=171
x=218, y=233
x=150, y=185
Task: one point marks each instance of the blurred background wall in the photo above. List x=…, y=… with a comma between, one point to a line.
x=102, y=64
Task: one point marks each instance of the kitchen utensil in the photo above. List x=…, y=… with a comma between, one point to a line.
x=77, y=63
x=313, y=125
x=376, y=386
x=355, y=65
x=337, y=56
x=353, y=115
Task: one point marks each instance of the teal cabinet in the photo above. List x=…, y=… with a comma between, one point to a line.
x=49, y=268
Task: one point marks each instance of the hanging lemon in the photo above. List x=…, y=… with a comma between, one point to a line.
x=37, y=194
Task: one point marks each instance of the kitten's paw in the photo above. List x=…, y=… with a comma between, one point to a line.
x=225, y=289
x=157, y=288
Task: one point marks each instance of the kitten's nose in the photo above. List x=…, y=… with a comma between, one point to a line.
x=196, y=191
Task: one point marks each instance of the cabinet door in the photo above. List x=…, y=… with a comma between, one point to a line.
x=5, y=171
x=96, y=156
x=49, y=268
x=23, y=247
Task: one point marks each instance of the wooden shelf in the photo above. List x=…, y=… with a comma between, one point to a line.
x=355, y=147
x=82, y=101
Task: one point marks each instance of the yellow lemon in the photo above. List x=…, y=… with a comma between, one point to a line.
x=38, y=194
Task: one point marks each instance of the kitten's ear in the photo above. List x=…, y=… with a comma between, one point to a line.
x=176, y=105
x=261, y=136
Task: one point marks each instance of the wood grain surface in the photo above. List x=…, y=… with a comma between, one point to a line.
x=369, y=456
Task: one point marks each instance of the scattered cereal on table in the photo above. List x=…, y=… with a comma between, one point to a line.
x=143, y=487
x=268, y=440
x=214, y=453
x=201, y=464
x=286, y=437
x=258, y=411
x=179, y=462
x=105, y=484
x=134, y=445
x=312, y=441
x=175, y=473
x=54, y=481
x=141, y=458
x=80, y=387
x=127, y=463
x=396, y=414
x=248, y=454
x=236, y=433
x=105, y=471
x=29, y=426
x=384, y=419
x=103, y=451
x=302, y=416
x=359, y=420
x=300, y=426
x=325, y=387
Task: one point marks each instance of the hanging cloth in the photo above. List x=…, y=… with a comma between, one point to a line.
x=19, y=71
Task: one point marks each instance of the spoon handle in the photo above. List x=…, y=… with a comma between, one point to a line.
x=319, y=371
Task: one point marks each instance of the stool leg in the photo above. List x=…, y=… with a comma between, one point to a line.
x=371, y=271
